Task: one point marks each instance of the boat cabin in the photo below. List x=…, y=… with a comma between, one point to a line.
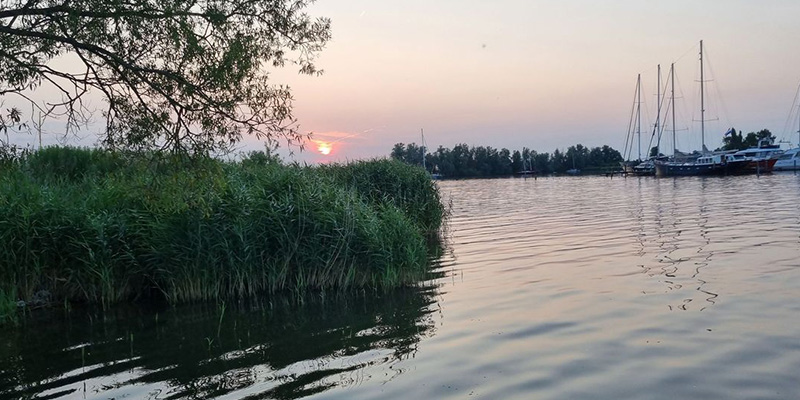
x=714, y=158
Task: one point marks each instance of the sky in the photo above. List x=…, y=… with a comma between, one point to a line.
x=542, y=74
x=539, y=74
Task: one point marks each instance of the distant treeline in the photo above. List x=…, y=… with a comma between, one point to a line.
x=463, y=161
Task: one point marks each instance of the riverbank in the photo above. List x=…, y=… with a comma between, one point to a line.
x=82, y=225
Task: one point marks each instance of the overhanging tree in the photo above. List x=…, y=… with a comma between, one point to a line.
x=183, y=75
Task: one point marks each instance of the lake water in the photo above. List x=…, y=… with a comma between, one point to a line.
x=553, y=288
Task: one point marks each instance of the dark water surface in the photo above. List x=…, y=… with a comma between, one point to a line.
x=555, y=288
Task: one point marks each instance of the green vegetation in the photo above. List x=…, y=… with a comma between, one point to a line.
x=387, y=182
x=98, y=226
x=464, y=161
x=8, y=303
x=191, y=77
x=738, y=141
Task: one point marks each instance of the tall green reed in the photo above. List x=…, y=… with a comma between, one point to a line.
x=384, y=181
x=93, y=226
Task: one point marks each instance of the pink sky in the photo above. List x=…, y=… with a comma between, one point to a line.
x=537, y=74
x=540, y=74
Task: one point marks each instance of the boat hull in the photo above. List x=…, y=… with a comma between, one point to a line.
x=790, y=161
x=645, y=168
x=761, y=166
x=627, y=166
x=795, y=166
x=664, y=169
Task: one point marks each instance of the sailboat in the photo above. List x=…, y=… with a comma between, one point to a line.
x=790, y=159
x=708, y=163
x=435, y=173
x=574, y=170
x=630, y=166
x=644, y=167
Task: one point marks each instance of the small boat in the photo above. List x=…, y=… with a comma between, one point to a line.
x=644, y=168
x=574, y=170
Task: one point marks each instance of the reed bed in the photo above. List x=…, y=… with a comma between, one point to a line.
x=88, y=225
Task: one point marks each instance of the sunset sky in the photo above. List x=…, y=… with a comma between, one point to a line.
x=537, y=74
x=541, y=74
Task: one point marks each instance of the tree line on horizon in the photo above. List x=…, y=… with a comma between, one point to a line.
x=464, y=161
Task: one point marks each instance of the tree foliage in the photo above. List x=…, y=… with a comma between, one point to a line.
x=184, y=75
x=738, y=141
x=484, y=161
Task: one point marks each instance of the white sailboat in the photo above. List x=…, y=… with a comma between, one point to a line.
x=790, y=159
x=634, y=128
x=644, y=167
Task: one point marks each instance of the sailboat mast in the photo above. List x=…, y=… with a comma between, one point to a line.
x=639, y=112
x=672, y=78
x=658, y=115
x=702, y=103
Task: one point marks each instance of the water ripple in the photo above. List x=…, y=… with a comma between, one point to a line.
x=659, y=279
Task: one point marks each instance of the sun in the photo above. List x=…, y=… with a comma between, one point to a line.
x=324, y=147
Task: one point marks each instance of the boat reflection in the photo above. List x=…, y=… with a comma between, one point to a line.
x=679, y=252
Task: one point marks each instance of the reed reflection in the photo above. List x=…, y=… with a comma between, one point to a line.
x=275, y=349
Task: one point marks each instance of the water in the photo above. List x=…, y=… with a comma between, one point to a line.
x=578, y=288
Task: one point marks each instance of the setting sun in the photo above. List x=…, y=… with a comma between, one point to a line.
x=324, y=147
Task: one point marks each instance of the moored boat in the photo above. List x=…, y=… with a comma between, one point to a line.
x=644, y=168
x=761, y=159
x=641, y=167
x=637, y=166
x=709, y=164
x=788, y=161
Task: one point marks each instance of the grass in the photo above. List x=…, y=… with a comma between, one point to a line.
x=88, y=225
x=389, y=182
x=8, y=305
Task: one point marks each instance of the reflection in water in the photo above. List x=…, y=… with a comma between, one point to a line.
x=681, y=219
x=279, y=349
x=588, y=288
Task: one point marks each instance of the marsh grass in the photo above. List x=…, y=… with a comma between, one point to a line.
x=383, y=182
x=8, y=305
x=100, y=227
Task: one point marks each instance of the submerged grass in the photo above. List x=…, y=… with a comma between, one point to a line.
x=94, y=226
